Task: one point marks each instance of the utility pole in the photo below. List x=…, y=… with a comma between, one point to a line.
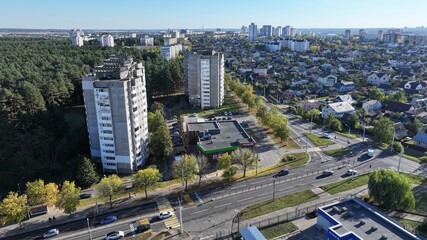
x=311, y=123
x=400, y=158
x=88, y=227
x=364, y=128
x=392, y=141
x=96, y=201
x=180, y=219
x=19, y=189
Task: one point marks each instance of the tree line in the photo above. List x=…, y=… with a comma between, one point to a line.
x=40, y=83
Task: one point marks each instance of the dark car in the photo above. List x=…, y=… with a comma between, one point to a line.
x=142, y=228
x=282, y=172
x=107, y=220
x=85, y=195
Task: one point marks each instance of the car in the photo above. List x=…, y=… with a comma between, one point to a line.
x=114, y=235
x=229, y=118
x=51, y=233
x=327, y=172
x=142, y=228
x=108, y=220
x=194, y=115
x=282, y=172
x=165, y=215
x=351, y=172
x=327, y=135
x=230, y=113
x=85, y=195
x=406, y=139
x=225, y=113
x=370, y=152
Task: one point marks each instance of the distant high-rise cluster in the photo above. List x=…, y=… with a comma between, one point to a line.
x=116, y=114
x=253, y=32
x=269, y=31
x=106, y=40
x=204, y=78
x=76, y=37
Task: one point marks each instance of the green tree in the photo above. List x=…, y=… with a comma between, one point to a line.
x=245, y=158
x=147, y=178
x=109, y=186
x=186, y=168
x=14, y=208
x=36, y=192
x=336, y=125
x=315, y=113
x=157, y=106
x=229, y=172
x=33, y=99
x=52, y=193
x=397, y=97
x=376, y=94
x=327, y=121
x=69, y=197
x=282, y=131
x=155, y=120
x=225, y=162
x=160, y=143
x=203, y=165
x=354, y=121
x=391, y=190
x=383, y=130
x=86, y=173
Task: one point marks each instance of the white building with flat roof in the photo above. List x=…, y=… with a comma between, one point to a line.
x=76, y=37
x=147, y=41
x=116, y=114
x=170, y=51
x=337, y=109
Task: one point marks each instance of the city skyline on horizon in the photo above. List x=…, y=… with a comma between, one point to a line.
x=51, y=14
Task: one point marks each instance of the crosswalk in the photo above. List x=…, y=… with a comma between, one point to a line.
x=164, y=206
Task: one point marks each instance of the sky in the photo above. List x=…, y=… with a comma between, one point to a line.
x=195, y=14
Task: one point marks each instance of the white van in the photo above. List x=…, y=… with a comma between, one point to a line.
x=370, y=152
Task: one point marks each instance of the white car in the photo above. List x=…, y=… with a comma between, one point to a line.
x=327, y=172
x=51, y=233
x=114, y=235
x=327, y=135
x=370, y=152
x=351, y=172
x=165, y=215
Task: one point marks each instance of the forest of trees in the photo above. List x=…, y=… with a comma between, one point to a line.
x=40, y=81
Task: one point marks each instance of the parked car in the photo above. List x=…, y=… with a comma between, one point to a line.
x=282, y=172
x=51, y=233
x=406, y=139
x=107, y=220
x=351, y=172
x=225, y=113
x=327, y=172
x=85, y=195
x=165, y=215
x=327, y=135
x=370, y=152
x=114, y=235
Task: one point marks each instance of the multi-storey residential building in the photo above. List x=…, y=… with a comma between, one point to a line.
x=267, y=31
x=299, y=45
x=244, y=29
x=289, y=31
x=147, y=41
x=116, y=114
x=170, y=51
x=253, y=32
x=169, y=41
x=106, y=40
x=277, y=31
x=393, y=38
x=272, y=46
x=204, y=78
x=76, y=37
x=347, y=34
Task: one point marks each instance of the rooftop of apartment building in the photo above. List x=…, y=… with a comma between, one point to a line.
x=113, y=67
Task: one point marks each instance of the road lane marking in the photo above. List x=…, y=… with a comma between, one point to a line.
x=237, y=187
x=242, y=200
x=258, y=182
x=223, y=205
x=265, y=194
x=200, y=211
x=198, y=197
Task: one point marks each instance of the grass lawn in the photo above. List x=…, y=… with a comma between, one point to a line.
x=319, y=141
x=279, y=203
x=277, y=230
x=412, y=156
x=351, y=135
x=346, y=184
x=143, y=236
x=337, y=152
x=413, y=226
x=301, y=159
x=415, y=179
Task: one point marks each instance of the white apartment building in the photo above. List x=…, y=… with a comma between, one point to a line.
x=76, y=37
x=299, y=45
x=272, y=46
x=277, y=32
x=253, y=32
x=204, y=78
x=171, y=51
x=147, y=41
x=116, y=114
x=170, y=41
x=106, y=40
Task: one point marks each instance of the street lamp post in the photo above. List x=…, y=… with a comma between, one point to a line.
x=88, y=227
x=274, y=188
x=348, y=137
x=364, y=128
x=180, y=219
x=392, y=140
x=400, y=158
x=311, y=123
x=19, y=189
x=238, y=220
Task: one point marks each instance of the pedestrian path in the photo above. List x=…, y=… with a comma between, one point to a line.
x=164, y=206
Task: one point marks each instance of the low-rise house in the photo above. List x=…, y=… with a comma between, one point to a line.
x=420, y=140
x=307, y=105
x=344, y=87
x=345, y=98
x=400, y=131
x=377, y=78
x=327, y=80
x=338, y=109
x=387, y=89
x=397, y=107
x=372, y=105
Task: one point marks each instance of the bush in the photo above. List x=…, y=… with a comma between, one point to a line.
x=423, y=159
x=289, y=158
x=397, y=147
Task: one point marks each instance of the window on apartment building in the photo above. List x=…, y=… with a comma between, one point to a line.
x=109, y=145
x=110, y=164
x=109, y=151
x=105, y=118
x=107, y=132
x=108, y=138
x=110, y=158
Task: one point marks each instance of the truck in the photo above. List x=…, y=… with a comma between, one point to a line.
x=370, y=152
